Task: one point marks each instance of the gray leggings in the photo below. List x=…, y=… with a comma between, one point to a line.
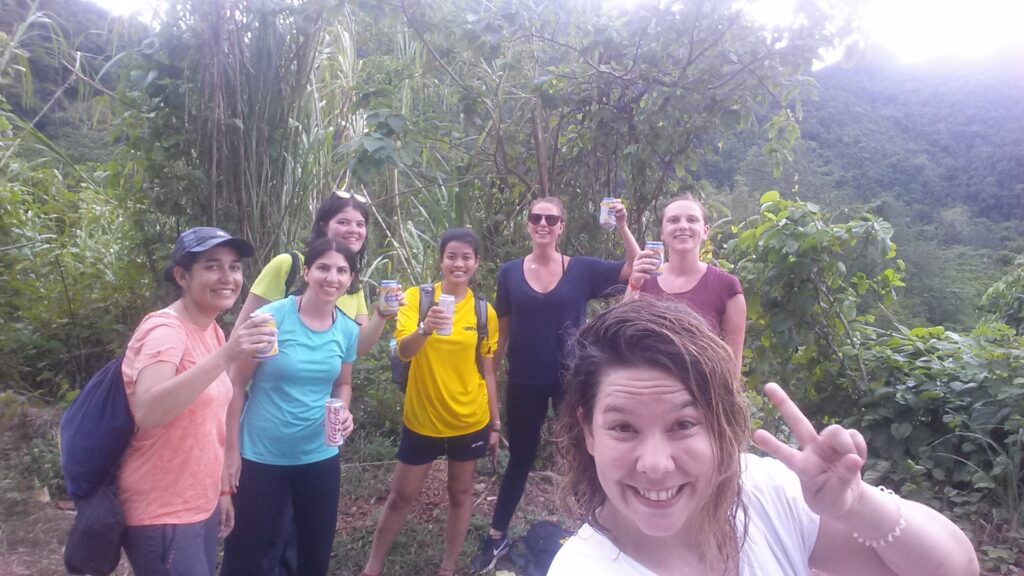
x=174, y=549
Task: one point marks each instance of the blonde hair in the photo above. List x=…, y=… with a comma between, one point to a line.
x=670, y=337
x=553, y=200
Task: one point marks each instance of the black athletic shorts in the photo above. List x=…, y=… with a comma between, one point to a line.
x=417, y=449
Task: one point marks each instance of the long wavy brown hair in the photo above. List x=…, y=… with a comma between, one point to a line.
x=668, y=336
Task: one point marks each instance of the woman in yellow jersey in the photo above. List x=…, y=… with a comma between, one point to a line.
x=451, y=409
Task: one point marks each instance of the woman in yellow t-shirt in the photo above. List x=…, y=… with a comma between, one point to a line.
x=451, y=409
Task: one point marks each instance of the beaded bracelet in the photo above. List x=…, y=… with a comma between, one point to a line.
x=901, y=523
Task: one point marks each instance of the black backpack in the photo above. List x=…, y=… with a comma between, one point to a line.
x=532, y=554
x=94, y=433
x=400, y=368
x=293, y=272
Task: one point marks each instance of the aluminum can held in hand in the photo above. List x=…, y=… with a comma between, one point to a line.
x=658, y=248
x=607, y=216
x=390, y=294
x=333, y=410
x=271, y=350
x=447, y=303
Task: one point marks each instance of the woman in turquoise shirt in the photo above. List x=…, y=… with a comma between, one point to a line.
x=280, y=434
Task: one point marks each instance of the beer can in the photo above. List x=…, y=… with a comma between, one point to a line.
x=607, y=216
x=447, y=303
x=271, y=350
x=658, y=248
x=390, y=295
x=333, y=409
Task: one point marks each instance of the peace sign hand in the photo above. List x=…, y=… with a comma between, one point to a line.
x=828, y=464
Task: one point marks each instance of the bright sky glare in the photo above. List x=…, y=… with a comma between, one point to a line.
x=914, y=30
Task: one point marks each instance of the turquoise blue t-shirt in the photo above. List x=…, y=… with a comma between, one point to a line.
x=283, y=420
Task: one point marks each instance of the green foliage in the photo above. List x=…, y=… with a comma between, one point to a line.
x=74, y=281
x=944, y=417
x=810, y=284
x=1005, y=299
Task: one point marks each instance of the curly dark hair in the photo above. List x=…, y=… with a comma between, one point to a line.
x=667, y=336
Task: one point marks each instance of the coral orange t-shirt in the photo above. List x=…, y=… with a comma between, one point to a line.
x=171, y=474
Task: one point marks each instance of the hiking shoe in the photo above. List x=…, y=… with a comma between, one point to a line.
x=490, y=550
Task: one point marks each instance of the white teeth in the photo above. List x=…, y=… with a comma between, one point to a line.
x=659, y=495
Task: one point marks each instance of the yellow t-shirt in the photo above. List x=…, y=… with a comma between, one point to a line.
x=270, y=286
x=446, y=395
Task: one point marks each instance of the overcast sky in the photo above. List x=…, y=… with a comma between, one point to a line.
x=915, y=30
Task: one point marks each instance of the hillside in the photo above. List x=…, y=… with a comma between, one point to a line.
x=937, y=150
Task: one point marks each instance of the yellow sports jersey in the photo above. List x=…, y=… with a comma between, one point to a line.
x=269, y=285
x=446, y=395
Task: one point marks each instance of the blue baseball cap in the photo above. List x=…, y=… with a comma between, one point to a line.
x=201, y=239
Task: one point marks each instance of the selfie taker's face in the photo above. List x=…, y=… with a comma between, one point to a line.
x=652, y=450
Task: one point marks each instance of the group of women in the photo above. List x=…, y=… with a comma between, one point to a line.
x=652, y=417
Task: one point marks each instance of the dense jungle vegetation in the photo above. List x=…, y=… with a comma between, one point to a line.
x=873, y=211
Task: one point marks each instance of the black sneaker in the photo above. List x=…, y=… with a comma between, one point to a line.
x=490, y=550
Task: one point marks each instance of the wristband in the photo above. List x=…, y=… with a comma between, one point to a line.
x=227, y=492
x=901, y=523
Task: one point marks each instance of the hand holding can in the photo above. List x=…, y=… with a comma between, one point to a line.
x=390, y=297
x=446, y=302
x=606, y=217
x=271, y=349
x=659, y=249
x=335, y=420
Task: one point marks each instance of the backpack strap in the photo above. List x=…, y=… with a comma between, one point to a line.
x=480, y=306
x=293, y=272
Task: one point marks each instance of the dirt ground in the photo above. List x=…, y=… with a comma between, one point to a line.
x=33, y=528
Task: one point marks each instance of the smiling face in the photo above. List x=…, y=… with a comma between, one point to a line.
x=347, y=226
x=652, y=451
x=459, y=262
x=683, y=227
x=328, y=277
x=543, y=233
x=213, y=281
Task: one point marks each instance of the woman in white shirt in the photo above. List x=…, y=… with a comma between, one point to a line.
x=654, y=432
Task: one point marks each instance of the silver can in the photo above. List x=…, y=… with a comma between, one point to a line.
x=270, y=350
x=659, y=249
x=333, y=410
x=390, y=295
x=447, y=303
x=607, y=216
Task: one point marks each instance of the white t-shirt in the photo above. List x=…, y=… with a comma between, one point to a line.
x=780, y=536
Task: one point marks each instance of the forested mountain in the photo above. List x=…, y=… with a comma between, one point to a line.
x=935, y=149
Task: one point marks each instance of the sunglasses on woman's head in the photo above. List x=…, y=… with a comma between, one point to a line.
x=549, y=219
x=349, y=195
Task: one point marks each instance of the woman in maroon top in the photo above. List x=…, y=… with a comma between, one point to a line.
x=713, y=293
